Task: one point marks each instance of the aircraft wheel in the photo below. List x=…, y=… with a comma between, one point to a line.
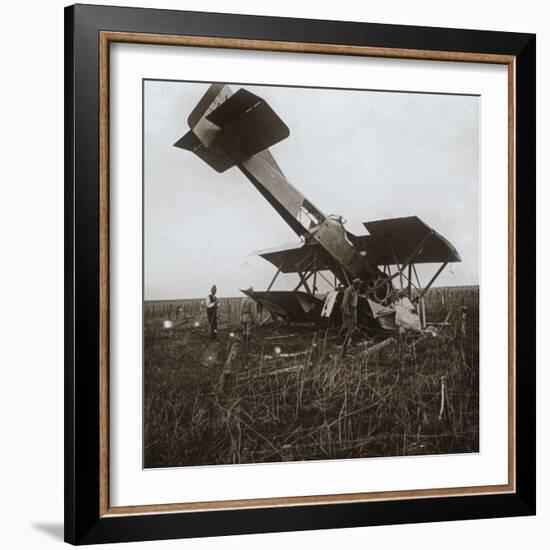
x=381, y=289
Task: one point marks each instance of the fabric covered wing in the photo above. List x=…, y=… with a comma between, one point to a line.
x=405, y=240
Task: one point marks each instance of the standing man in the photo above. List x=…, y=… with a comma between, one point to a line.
x=249, y=314
x=212, y=303
x=348, y=307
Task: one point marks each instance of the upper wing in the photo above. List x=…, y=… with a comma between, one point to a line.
x=393, y=241
x=405, y=240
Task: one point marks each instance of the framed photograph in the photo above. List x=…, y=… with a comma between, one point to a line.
x=300, y=274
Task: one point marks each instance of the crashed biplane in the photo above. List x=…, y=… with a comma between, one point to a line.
x=236, y=129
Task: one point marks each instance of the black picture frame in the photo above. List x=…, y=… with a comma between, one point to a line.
x=84, y=524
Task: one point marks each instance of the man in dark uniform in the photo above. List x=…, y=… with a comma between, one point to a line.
x=212, y=303
x=348, y=308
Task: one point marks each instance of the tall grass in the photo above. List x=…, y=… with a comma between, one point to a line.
x=414, y=395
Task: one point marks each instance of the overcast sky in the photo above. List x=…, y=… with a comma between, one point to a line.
x=366, y=155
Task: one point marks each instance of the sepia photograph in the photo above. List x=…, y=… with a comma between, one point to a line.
x=310, y=273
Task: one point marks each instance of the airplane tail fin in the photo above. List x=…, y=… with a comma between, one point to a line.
x=227, y=128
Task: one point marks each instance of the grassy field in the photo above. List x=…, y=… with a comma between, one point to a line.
x=294, y=396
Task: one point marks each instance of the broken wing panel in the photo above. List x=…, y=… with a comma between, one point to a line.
x=398, y=240
x=291, y=305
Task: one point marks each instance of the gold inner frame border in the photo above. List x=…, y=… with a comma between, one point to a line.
x=105, y=39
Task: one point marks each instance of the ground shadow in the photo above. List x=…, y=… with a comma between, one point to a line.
x=54, y=530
